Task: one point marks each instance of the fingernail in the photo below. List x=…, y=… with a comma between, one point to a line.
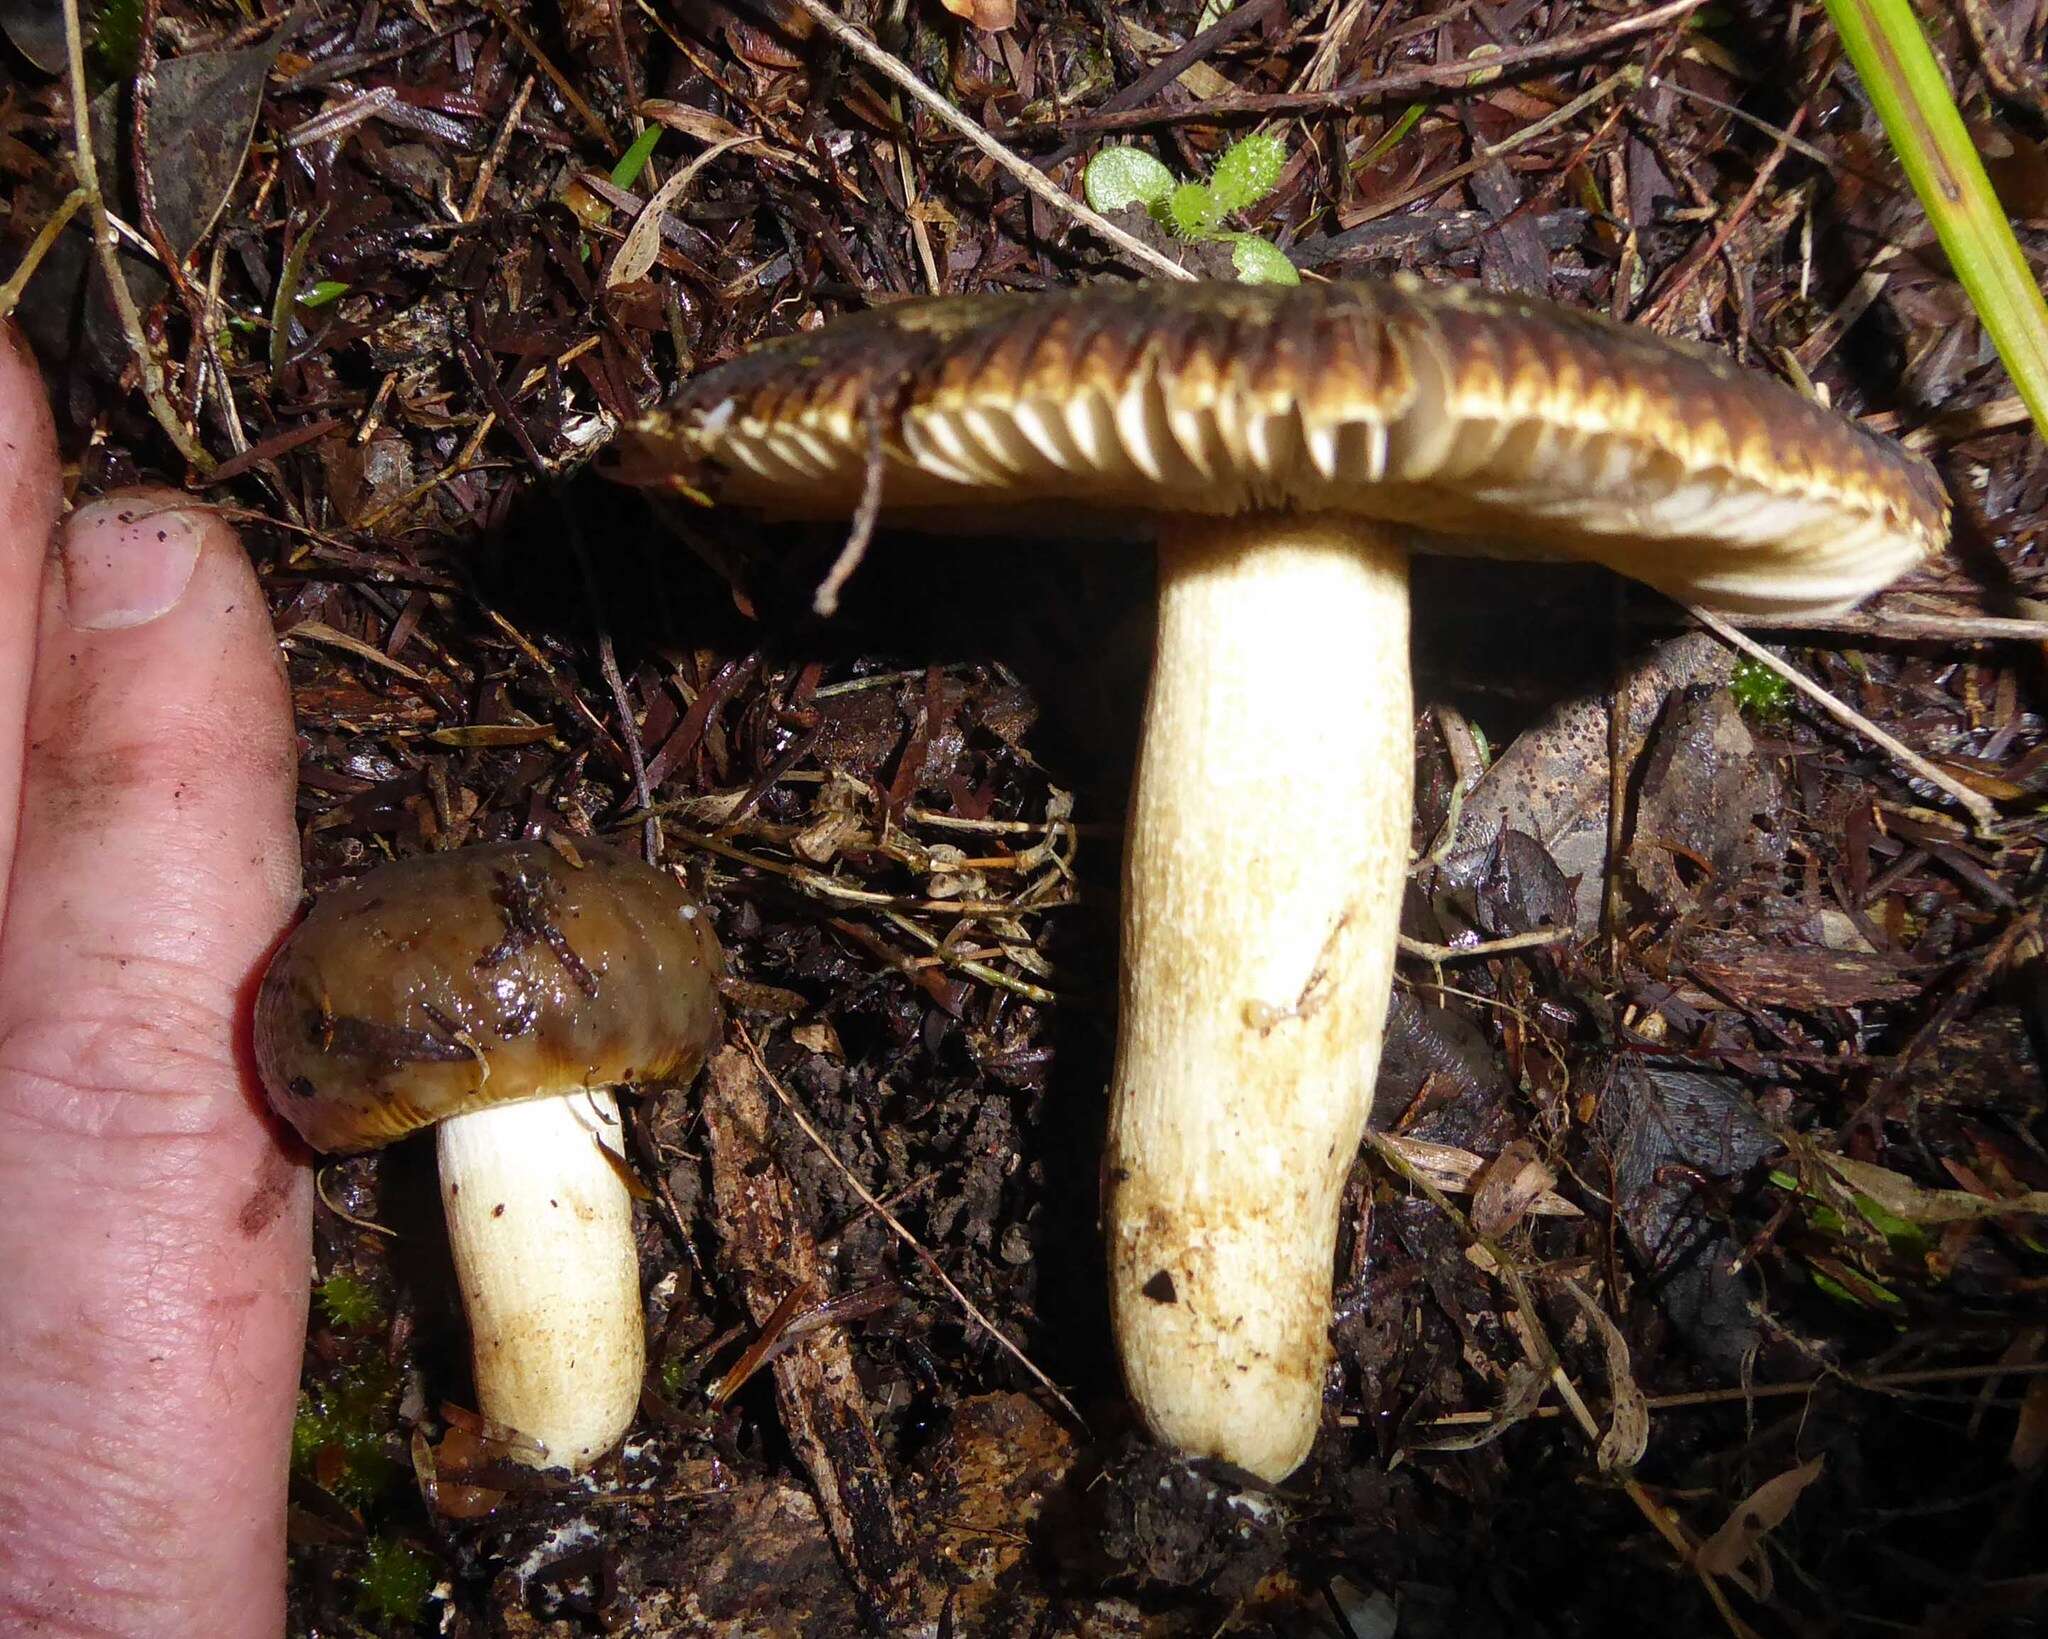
x=126, y=562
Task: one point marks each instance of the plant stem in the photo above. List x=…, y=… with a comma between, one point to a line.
x=1905, y=86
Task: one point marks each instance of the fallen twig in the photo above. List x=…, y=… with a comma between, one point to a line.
x=39, y=247
x=146, y=364
x=1428, y=952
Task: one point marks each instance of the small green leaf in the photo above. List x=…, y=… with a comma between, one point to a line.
x=1248, y=171
x=634, y=160
x=1193, y=212
x=1260, y=263
x=322, y=292
x=1118, y=177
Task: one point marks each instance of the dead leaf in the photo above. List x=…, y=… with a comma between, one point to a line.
x=1903, y=1198
x=318, y=631
x=1552, y=783
x=1707, y=808
x=819, y=1036
x=642, y=243
x=1766, y=1508
x=1453, y=1170
x=1670, y=1128
x=709, y=127
x=35, y=28
x=988, y=15
x=1628, y=1423
x=692, y=122
x=1510, y=1188
x=480, y=736
x=201, y=117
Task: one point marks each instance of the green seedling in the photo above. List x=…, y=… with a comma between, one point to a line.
x=634, y=160
x=1249, y=170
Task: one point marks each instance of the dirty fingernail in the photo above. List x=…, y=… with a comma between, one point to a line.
x=126, y=562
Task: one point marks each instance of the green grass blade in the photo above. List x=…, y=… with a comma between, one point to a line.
x=1890, y=54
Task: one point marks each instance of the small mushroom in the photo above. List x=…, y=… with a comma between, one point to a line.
x=1287, y=448
x=501, y=991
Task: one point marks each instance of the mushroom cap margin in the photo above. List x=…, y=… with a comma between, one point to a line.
x=1485, y=424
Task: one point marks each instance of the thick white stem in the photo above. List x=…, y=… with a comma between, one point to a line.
x=541, y=1227
x=1267, y=846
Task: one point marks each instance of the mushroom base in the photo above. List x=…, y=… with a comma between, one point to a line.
x=541, y=1227
x=1267, y=848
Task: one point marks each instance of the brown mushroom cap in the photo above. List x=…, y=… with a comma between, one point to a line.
x=1488, y=424
x=440, y=985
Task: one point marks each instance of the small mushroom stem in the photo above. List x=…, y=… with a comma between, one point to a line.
x=541, y=1227
x=1266, y=850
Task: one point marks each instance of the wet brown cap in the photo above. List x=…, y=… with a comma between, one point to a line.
x=1487, y=424
x=443, y=984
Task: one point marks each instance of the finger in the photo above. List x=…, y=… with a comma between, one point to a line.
x=29, y=494
x=153, y=1248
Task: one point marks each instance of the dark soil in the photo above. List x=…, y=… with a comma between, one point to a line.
x=395, y=345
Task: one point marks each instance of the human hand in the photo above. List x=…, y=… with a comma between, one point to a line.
x=153, y=1231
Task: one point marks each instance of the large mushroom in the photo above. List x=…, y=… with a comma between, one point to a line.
x=1287, y=448
x=501, y=991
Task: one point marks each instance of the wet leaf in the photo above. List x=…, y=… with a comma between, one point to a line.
x=1552, y=783
x=35, y=28
x=1670, y=1129
x=1704, y=791
x=200, y=120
